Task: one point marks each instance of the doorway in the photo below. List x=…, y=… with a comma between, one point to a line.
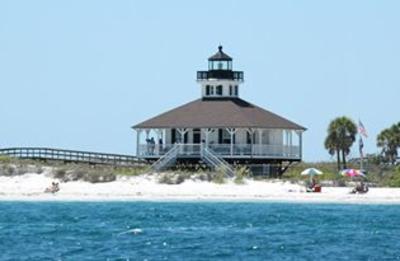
x=196, y=136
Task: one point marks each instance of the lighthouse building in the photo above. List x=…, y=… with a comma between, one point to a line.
x=219, y=128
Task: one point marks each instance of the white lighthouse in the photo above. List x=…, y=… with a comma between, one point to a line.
x=220, y=81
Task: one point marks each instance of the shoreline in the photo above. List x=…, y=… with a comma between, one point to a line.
x=30, y=187
x=29, y=199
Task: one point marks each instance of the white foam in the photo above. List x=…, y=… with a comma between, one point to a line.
x=134, y=231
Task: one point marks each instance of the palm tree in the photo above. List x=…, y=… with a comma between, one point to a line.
x=341, y=136
x=389, y=140
x=331, y=144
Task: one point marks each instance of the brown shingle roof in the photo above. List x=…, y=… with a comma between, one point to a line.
x=218, y=113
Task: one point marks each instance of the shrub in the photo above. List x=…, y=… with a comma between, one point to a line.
x=219, y=175
x=59, y=174
x=240, y=174
x=5, y=159
x=8, y=170
x=131, y=171
x=95, y=176
x=203, y=176
x=171, y=178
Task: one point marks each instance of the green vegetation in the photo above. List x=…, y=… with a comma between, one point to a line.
x=380, y=175
x=341, y=136
x=131, y=171
x=329, y=170
x=389, y=141
x=67, y=172
x=219, y=175
x=394, y=179
x=241, y=172
x=173, y=178
x=5, y=159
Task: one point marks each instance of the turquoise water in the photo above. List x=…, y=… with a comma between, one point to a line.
x=197, y=231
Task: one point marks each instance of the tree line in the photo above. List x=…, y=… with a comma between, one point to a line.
x=342, y=133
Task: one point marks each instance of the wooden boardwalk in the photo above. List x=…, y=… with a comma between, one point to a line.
x=76, y=156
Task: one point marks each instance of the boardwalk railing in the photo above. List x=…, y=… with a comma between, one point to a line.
x=71, y=156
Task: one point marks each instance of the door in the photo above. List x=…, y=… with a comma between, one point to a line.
x=196, y=136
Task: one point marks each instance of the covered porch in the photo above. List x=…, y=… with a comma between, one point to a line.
x=228, y=143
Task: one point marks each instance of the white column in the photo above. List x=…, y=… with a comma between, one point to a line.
x=231, y=131
x=207, y=132
x=300, y=135
x=182, y=132
x=147, y=133
x=291, y=142
x=138, y=132
x=260, y=149
x=159, y=135
x=286, y=148
x=147, y=141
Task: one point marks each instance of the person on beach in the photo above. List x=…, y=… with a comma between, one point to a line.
x=53, y=188
x=360, y=188
x=314, y=186
x=160, y=144
x=148, y=146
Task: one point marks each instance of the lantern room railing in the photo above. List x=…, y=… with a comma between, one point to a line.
x=220, y=74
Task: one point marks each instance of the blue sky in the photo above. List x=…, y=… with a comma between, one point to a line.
x=78, y=74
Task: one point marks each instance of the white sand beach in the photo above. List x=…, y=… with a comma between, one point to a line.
x=30, y=187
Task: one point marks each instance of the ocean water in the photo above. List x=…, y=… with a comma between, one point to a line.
x=198, y=231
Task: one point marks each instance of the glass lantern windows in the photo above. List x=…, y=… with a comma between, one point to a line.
x=220, y=65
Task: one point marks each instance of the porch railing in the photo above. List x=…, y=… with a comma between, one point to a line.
x=223, y=150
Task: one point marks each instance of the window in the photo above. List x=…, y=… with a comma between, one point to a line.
x=207, y=90
x=210, y=65
x=218, y=90
x=236, y=90
x=229, y=65
x=211, y=90
x=230, y=90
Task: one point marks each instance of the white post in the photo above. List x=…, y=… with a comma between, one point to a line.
x=182, y=132
x=260, y=132
x=138, y=132
x=300, y=133
x=147, y=141
x=159, y=133
x=231, y=131
x=206, y=132
x=286, y=142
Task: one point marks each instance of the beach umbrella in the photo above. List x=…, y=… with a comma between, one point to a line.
x=352, y=173
x=311, y=172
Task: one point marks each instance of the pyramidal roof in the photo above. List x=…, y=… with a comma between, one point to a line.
x=219, y=113
x=220, y=56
